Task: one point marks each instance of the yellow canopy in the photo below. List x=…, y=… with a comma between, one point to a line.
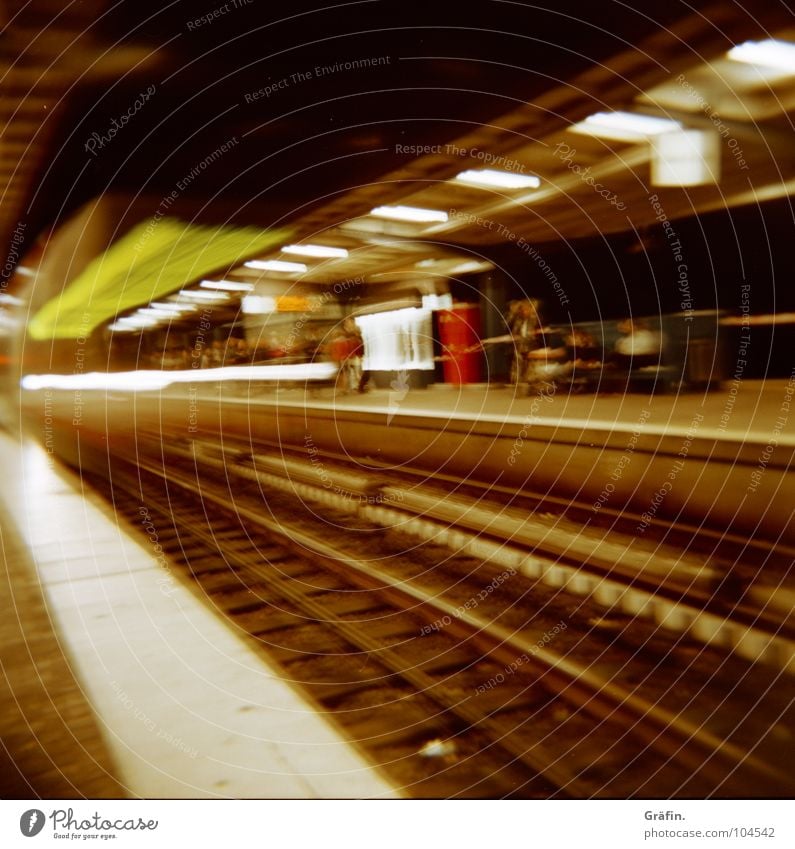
x=152, y=260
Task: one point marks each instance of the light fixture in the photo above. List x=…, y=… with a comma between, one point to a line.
x=315, y=250
x=471, y=266
x=453, y=265
x=258, y=304
x=227, y=285
x=625, y=126
x=686, y=158
x=117, y=327
x=489, y=178
x=410, y=213
x=276, y=265
x=437, y=302
x=195, y=295
x=137, y=321
x=769, y=53
x=157, y=312
x=173, y=306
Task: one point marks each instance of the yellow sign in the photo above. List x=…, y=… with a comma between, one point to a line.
x=292, y=303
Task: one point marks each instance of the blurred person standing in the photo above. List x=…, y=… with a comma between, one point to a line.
x=357, y=374
x=524, y=324
x=340, y=350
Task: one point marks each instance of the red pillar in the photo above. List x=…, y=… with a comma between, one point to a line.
x=459, y=331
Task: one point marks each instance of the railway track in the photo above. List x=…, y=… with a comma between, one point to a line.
x=742, y=606
x=723, y=544
x=498, y=706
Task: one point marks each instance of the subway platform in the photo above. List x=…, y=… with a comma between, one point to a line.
x=750, y=410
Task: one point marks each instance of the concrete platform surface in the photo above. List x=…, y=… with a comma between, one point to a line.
x=737, y=410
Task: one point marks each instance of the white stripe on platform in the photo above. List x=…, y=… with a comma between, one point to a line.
x=681, y=430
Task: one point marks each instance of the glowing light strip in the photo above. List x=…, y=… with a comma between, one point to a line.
x=148, y=380
x=158, y=312
x=276, y=265
x=315, y=250
x=227, y=285
x=759, y=320
x=769, y=53
x=174, y=307
x=490, y=178
x=196, y=295
x=137, y=321
x=409, y=213
x=625, y=126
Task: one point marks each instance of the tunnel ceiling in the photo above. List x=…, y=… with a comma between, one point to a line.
x=310, y=116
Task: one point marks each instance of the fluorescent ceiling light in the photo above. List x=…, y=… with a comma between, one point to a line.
x=157, y=312
x=470, y=266
x=258, y=304
x=687, y=158
x=203, y=296
x=169, y=306
x=437, y=302
x=409, y=213
x=489, y=178
x=769, y=53
x=453, y=265
x=276, y=265
x=227, y=285
x=315, y=250
x=116, y=327
x=625, y=126
x=137, y=321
